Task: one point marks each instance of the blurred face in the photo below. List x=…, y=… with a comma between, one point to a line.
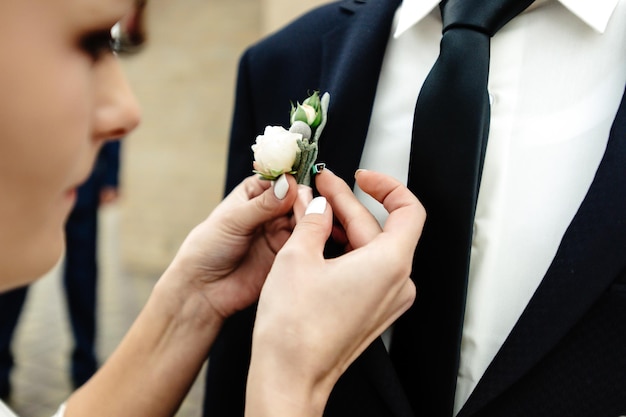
x=62, y=95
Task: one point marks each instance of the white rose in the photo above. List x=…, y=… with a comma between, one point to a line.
x=275, y=151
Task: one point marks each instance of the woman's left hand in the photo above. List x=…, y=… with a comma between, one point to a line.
x=238, y=241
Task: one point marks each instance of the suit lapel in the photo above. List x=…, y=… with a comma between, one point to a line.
x=589, y=258
x=351, y=62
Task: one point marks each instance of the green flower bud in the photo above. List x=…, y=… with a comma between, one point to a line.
x=308, y=112
x=313, y=101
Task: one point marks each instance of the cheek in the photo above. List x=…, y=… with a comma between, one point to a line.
x=47, y=146
x=46, y=118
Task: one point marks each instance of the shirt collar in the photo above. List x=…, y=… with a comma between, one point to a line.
x=596, y=13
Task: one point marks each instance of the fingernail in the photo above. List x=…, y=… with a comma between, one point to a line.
x=316, y=206
x=358, y=171
x=281, y=186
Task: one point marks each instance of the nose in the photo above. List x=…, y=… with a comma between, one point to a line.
x=117, y=112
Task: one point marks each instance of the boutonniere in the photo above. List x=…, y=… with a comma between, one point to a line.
x=278, y=150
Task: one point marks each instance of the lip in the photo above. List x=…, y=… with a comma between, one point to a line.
x=71, y=194
x=72, y=191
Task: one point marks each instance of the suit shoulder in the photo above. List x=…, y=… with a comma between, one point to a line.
x=313, y=24
x=302, y=43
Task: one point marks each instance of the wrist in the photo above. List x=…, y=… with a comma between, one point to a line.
x=283, y=384
x=158, y=360
x=176, y=296
x=275, y=391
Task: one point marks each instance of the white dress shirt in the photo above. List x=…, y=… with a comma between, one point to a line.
x=6, y=412
x=557, y=75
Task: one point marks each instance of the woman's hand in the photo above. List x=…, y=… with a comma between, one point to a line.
x=316, y=315
x=238, y=240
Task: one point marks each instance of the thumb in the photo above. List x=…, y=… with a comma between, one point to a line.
x=254, y=202
x=313, y=229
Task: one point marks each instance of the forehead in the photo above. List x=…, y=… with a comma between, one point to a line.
x=70, y=12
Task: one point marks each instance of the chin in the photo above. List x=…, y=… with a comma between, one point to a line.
x=18, y=270
x=27, y=276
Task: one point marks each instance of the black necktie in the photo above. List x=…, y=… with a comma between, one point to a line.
x=450, y=131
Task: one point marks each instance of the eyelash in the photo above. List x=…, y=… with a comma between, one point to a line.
x=96, y=44
x=99, y=43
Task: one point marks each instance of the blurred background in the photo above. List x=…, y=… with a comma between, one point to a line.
x=173, y=165
x=171, y=178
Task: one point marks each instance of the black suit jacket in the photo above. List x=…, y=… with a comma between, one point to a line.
x=566, y=356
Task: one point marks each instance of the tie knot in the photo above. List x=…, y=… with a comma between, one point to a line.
x=486, y=16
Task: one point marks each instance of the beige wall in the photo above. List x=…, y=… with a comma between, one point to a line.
x=275, y=13
x=173, y=165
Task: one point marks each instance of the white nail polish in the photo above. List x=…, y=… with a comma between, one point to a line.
x=281, y=186
x=316, y=206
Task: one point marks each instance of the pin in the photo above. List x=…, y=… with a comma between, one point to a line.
x=317, y=168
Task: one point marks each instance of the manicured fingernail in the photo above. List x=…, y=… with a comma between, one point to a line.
x=281, y=186
x=316, y=206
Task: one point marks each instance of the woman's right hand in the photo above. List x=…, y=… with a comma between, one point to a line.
x=316, y=315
